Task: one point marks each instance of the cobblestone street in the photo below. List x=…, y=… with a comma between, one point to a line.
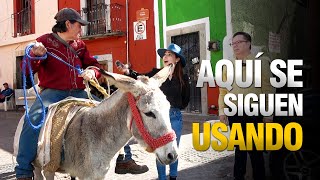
x=192, y=164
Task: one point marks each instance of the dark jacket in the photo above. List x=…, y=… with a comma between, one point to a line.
x=178, y=96
x=7, y=92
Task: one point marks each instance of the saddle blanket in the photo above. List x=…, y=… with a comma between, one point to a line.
x=52, y=132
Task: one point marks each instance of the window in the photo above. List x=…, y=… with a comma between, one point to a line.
x=23, y=17
x=104, y=18
x=97, y=10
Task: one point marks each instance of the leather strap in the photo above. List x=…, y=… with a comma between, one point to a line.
x=65, y=43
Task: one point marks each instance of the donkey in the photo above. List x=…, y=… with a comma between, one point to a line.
x=96, y=134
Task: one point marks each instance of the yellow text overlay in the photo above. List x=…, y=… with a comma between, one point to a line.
x=265, y=136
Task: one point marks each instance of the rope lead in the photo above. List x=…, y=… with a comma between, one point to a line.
x=26, y=62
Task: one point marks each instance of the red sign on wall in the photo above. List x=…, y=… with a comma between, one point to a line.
x=142, y=14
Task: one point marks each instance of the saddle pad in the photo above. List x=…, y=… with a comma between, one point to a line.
x=66, y=108
x=64, y=113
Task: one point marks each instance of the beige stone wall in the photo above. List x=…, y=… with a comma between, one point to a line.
x=10, y=47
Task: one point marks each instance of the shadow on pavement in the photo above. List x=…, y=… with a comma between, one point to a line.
x=220, y=169
x=8, y=124
x=8, y=175
x=188, y=119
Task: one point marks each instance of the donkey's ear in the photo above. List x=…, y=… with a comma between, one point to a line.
x=125, y=83
x=163, y=74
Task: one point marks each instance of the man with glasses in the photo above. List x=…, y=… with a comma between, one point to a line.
x=241, y=44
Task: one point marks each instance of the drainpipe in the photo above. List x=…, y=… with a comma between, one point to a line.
x=227, y=50
x=127, y=24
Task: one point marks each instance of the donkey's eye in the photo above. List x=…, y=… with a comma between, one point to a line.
x=150, y=114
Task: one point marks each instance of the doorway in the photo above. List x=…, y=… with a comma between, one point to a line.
x=19, y=76
x=191, y=50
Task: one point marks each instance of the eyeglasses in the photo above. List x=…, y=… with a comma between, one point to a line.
x=236, y=43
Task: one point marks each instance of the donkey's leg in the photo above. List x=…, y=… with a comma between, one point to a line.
x=49, y=175
x=37, y=173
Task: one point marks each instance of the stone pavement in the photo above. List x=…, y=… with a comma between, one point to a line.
x=192, y=164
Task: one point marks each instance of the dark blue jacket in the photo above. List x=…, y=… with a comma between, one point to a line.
x=7, y=92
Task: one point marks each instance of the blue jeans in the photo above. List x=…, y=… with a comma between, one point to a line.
x=176, y=124
x=29, y=137
x=127, y=155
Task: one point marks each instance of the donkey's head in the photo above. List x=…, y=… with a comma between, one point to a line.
x=150, y=110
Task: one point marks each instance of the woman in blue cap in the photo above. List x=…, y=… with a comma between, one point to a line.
x=177, y=90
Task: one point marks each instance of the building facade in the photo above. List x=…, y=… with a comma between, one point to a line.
x=193, y=26
x=132, y=30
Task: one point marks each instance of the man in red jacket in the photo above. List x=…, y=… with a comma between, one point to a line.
x=56, y=79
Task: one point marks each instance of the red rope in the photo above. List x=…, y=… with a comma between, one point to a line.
x=153, y=143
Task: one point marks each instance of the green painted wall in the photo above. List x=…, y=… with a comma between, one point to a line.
x=265, y=16
x=179, y=11
x=160, y=23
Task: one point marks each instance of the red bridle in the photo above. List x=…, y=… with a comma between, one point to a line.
x=152, y=143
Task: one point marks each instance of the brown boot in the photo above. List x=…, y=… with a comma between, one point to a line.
x=130, y=167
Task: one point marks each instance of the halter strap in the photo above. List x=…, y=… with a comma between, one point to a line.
x=152, y=142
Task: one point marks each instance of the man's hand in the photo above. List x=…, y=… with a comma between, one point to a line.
x=224, y=119
x=88, y=74
x=38, y=49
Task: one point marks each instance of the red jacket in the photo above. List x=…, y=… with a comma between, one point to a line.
x=56, y=75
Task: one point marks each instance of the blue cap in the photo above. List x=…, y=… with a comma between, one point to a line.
x=177, y=51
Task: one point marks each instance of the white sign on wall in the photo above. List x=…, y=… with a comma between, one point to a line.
x=274, y=42
x=140, y=30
